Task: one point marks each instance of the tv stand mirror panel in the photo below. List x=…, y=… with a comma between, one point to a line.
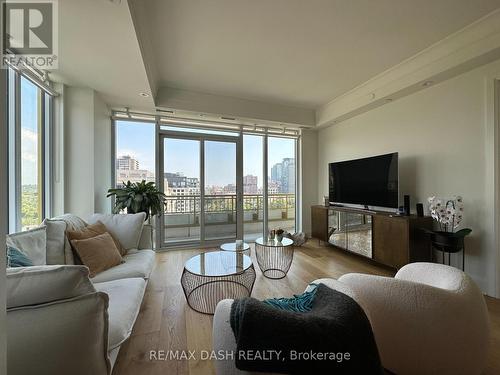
x=350, y=231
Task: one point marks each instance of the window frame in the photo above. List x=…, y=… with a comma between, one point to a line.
x=238, y=130
x=45, y=116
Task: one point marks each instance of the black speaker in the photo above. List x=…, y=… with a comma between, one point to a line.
x=407, y=205
x=420, y=210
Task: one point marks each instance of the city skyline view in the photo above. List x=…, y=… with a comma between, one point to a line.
x=137, y=139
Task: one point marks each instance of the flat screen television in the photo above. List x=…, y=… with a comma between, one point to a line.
x=372, y=181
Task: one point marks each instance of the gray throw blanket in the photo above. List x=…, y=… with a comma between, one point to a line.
x=335, y=337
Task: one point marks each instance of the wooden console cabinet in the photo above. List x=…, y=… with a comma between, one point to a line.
x=386, y=238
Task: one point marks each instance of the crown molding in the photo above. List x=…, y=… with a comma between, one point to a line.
x=475, y=45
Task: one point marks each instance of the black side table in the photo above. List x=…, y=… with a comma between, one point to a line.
x=274, y=257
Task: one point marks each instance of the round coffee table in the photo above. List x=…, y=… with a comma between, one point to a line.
x=274, y=258
x=231, y=246
x=211, y=277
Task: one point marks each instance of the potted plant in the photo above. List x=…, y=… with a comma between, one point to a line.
x=279, y=234
x=448, y=214
x=138, y=197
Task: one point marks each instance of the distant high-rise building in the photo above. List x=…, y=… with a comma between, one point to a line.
x=133, y=175
x=126, y=162
x=176, y=184
x=276, y=172
x=250, y=184
x=284, y=174
x=177, y=180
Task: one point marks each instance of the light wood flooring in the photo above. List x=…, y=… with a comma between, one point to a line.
x=165, y=322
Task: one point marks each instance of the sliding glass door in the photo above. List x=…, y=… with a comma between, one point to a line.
x=220, y=185
x=220, y=214
x=199, y=178
x=181, y=185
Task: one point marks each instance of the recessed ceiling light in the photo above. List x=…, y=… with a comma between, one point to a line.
x=144, y=94
x=427, y=83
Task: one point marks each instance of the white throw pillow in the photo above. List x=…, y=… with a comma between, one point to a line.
x=42, y=284
x=127, y=228
x=56, y=230
x=32, y=243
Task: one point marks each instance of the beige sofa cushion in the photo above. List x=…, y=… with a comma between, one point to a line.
x=32, y=243
x=98, y=253
x=42, y=284
x=127, y=228
x=125, y=297
x=137, y=263
x=90, y=231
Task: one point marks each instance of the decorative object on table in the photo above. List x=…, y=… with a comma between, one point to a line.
x=407, y=205
x=401, y=210
x=420, y=210
x=448, y=213
x=138, y=197
x=274, y=258
x=216, y=275
x=279, y=234
x=272, y=234
x=298, y=238
x=326, y=200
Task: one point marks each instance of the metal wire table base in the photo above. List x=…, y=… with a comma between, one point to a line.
x=203, y=293
x=274, y=261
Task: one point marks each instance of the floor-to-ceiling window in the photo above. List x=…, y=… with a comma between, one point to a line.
x=253, y=186
x=216, y=183
x=30, y=110
x=135, y=151
x=281, y=186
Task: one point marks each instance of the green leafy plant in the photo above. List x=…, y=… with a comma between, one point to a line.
x=138, y=197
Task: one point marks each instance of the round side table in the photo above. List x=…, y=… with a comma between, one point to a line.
x=211, y=277
x=232, y=247
x=274, y=258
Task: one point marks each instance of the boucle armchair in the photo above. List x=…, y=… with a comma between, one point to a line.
x=428, y=319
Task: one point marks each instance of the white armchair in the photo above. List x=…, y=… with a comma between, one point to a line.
x=428, y=319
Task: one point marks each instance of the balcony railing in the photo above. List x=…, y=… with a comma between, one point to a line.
x=182, y=214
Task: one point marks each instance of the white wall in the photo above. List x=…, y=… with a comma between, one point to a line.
x=442, y=135
x=79, y=151
x=308, y=174
x=102, y=155
x=87, y=152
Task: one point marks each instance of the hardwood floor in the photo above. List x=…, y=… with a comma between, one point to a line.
x=165, y=321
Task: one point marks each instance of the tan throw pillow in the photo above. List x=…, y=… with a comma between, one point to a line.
x=98, y=253
x=93, y=230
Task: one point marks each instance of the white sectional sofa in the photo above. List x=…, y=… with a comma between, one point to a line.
x=60, y=321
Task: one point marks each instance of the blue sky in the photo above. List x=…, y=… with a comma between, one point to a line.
x=137, y=140
x=29, y=132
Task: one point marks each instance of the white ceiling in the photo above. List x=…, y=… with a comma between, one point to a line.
x=294, y=52
x=98, y=48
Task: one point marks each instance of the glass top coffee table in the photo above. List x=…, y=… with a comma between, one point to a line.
x=211, y=277
x=274, y=257
x=234, y=247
